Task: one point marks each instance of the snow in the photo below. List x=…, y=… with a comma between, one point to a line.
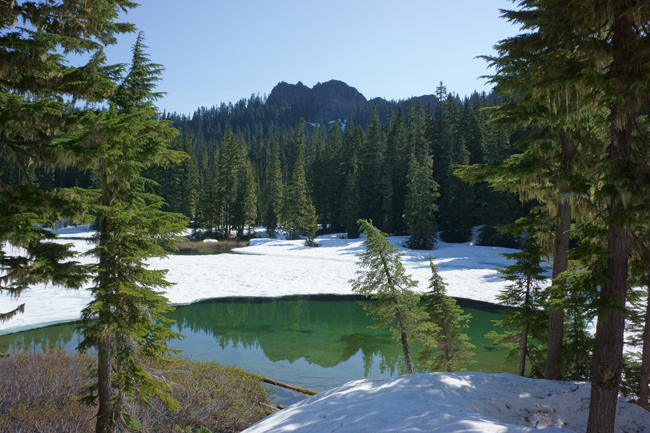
x=449, y=403
x=269, y=267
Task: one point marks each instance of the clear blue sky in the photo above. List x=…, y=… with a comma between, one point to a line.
x=221, y=51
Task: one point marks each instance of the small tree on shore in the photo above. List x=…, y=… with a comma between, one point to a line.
x=525, y=298
x=382, y=278
x=452, y=351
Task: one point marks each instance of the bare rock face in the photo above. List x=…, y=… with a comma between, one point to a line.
x=325, y=101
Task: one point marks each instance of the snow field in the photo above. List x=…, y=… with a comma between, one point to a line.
x=269, y=267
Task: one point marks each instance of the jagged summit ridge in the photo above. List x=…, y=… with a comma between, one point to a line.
x=325, y=101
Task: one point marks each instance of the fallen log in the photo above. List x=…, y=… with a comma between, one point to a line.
x=285, y=385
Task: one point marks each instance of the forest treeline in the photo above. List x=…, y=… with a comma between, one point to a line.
x=397, y=172
x=390, y=162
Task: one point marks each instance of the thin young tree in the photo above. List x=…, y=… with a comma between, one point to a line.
x=525, y=299
x=381, y=277
x=452, y=351
x=124, y=322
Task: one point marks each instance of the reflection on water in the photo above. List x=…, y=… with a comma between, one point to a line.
x=314, y=341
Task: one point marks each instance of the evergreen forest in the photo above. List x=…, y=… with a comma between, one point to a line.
x=389, y=162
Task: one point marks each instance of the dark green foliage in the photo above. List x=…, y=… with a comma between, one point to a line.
x=35, y=123
x=452, y=350
x=456, y=207
x=420, y=203
x=244, y=211
x=350, y=202
x=299, y=214
x=273, y=194
x=525, y=315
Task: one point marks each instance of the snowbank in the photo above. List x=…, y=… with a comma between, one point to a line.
x=449, y=403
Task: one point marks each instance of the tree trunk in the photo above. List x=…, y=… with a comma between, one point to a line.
x=105, y=416
x=446, y=342
x=523, y=348
x=523, y=342
x=553, y=367
x=611, y=314
x=405, y=343
x=645, y=360
x=106, y=411
x=609, y=337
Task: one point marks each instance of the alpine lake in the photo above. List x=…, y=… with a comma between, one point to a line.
x=314, y=341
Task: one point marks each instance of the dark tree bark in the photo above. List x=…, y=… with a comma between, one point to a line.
x=645, y=360
x=611, y=314
x=105, y=412
x=404, y=342
x=523, y=350
x=553, y=367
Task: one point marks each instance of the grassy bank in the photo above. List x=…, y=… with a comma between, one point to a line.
x=224, y=246
x=39, y=392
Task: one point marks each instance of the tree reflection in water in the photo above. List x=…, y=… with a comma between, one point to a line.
x=317, y=341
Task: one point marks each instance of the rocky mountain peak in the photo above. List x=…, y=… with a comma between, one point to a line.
x=325, y=101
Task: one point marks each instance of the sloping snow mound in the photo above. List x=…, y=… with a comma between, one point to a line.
x=450, y=403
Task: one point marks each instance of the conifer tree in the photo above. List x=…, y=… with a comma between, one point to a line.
x=370, y=164
x=452, y=351
x=211, y=195
x=350, y=200
x=420, y=203
x=299, y=214
x=383, y=279
x=124, y=321
x=273, y=197
x=229, y=166
x=35, y=123
x=245, y=210
x=526, y=299
x=333, y=183
x=396, y=171
x=456, y=203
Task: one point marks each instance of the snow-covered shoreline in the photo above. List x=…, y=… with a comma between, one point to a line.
x=449, y=403
x=269, y=268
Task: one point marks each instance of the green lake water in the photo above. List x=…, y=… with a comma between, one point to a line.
x=318, y=342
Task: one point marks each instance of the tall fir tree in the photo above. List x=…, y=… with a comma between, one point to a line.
x=420, y=203
x=273, y=188
x=124, y=322
x=245, y=209
x=370, y=164
x=456, y=203
x=350, y=200
x=35, y=123
x=299, y=214
x=229, y=166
